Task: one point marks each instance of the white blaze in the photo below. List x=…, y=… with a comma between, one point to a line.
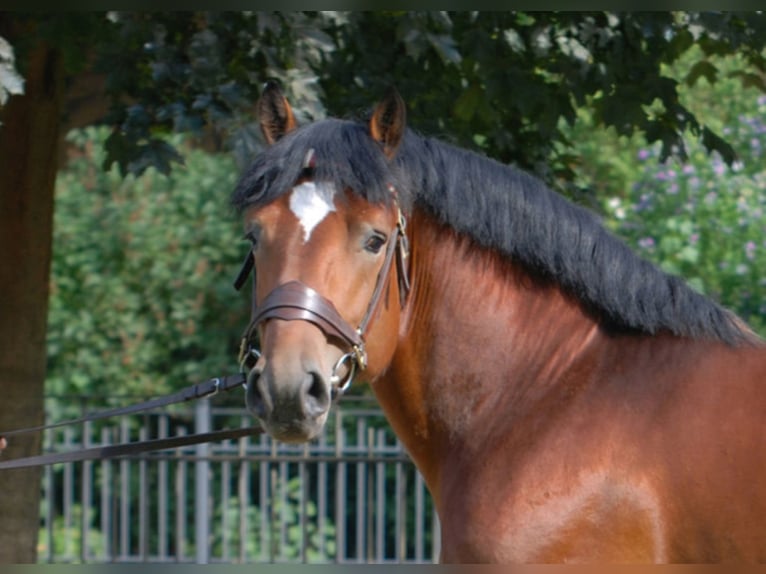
x=311, y=202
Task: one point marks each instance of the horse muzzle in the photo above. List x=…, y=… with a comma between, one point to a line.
x=293, y=405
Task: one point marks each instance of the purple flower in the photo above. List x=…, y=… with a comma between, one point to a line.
x=646, y=243
x=643, y=154
x=750, y=250
x=644, y=202
x=719, y=168
x=743, y=207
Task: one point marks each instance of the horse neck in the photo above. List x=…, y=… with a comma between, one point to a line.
x=478, y=336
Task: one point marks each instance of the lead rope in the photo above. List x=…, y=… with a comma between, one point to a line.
x=205, y=389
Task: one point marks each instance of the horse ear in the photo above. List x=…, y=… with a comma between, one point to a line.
x=274, y=113
x=389, y=121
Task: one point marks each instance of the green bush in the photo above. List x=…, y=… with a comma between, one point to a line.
x=701, y=218
x=66, y=540
x=141, y=292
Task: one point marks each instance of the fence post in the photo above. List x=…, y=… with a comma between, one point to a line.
x=202, y=484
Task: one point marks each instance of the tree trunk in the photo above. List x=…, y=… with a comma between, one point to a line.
x=29, y=135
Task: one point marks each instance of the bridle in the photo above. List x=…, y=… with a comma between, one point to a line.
x=296, y=301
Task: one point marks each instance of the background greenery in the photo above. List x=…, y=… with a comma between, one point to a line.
x=701, y=218
x=142, y=298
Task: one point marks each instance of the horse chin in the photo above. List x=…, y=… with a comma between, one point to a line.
x=295, y=431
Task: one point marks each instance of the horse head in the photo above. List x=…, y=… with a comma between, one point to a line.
x=325, y=304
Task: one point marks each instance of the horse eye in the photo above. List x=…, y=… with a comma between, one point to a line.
x=375, y=243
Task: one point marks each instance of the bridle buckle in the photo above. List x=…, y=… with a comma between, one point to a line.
x=356, y=359
x=248, y=356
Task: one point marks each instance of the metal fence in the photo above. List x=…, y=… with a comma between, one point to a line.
x=352, y=495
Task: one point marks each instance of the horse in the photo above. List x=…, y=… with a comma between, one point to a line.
x=564, y=399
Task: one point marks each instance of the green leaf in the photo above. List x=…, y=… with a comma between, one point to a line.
x=713, y=141
x=467, y=103
x=689, y=254
x=750, y=79
x=703, y=68
x=446, y=47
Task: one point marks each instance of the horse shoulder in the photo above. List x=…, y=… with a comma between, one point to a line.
x=669, y=430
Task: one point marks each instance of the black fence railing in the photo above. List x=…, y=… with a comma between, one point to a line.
x=352, y=495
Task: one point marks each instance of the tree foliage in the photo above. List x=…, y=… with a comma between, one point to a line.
x=186, y=72
x=512, y=78
x=502, y=82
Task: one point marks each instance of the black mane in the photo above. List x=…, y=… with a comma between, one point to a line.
x=503, y=209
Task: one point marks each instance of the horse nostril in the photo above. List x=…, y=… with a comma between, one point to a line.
x=316, y=396
x=254, y=397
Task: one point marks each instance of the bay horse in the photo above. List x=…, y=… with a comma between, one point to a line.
x=564, y=399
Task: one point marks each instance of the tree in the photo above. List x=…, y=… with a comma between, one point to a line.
x=27, y=172
x=506, y=82
x=499, y=82
x=30, y=134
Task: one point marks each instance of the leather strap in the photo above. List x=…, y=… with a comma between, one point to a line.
x=196, y=391
x=290, y=301
x=128, y=448
x=247, y=267
x=295, y=301
x=381, y=281
x=205, y=389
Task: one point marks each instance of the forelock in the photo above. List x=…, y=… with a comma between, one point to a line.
x=342, y=153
